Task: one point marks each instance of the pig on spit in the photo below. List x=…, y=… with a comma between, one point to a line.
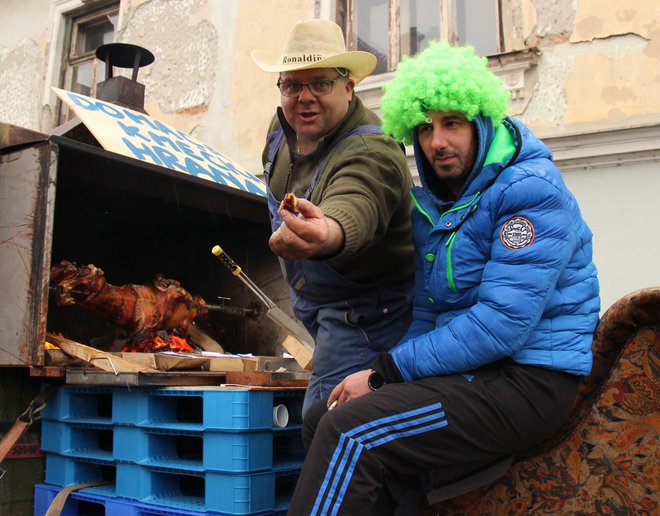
x=165, y=305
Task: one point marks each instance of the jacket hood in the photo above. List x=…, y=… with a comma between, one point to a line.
x=497, y=148
x=427, y=176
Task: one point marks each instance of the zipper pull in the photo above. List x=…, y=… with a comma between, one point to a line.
x=288, y=178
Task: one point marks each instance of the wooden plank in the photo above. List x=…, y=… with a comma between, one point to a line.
x=96, y=357
x=299, y=352
x=145, y=359
x=204, y=340
x=167, y=361
x=143, y=378
x=232, y=364
x=57, y=357
x=266, y=378
x=48, y=371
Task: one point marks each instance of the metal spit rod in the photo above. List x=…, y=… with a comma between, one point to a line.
x=236, y=270
x=232, y=310
x=274, y=312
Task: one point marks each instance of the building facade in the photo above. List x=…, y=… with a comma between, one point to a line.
x=583, y=75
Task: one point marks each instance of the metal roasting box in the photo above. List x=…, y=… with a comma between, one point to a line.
x=63, y=197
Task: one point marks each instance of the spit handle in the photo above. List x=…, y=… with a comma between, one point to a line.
x=226, y=260
x=235, y=269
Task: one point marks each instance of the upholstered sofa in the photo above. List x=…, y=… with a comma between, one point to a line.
x=605, y=459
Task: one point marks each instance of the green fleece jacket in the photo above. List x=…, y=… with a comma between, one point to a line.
x=364, y=186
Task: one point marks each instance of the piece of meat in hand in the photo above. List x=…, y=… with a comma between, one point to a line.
x=289, y=203
x=165, y=305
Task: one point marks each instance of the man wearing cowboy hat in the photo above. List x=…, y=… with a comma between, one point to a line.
x=347, y=250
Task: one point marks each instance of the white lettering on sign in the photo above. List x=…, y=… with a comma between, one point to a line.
x=136, y=135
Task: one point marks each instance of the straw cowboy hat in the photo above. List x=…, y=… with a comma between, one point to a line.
x=316, y=44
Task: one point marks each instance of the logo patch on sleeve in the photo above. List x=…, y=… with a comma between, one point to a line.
x=517, y=232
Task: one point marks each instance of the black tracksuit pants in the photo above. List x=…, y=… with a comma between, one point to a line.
x=439, y=429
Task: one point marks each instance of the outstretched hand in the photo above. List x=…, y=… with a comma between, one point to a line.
x=351, y=387
x=306, y=234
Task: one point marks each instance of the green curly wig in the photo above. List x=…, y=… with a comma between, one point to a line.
x=440, y=78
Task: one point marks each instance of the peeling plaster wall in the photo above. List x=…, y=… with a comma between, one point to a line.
x=246, y=97
x=599, y=64
x=254, y=96
x=597, y=68
x=541, y=113
x=203, y=80
x=22, y=33
x=527, y=18
x=632, y=89
x=604, y=18
x=180, y=84
x=552, y=18
x=599, y=71
x=20, y=84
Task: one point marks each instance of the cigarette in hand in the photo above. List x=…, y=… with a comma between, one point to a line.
x=333, y=405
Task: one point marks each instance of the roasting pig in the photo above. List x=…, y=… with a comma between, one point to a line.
x=165, y=305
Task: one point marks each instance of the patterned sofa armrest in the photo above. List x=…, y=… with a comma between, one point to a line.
x=604, y=459
x=617, y=326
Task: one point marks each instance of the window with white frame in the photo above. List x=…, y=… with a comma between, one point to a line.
x=394, y=28
x=89, y=29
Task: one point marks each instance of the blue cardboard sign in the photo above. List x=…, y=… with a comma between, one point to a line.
x=136, y=135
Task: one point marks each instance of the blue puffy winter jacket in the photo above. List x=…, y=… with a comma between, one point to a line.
x=504, y=271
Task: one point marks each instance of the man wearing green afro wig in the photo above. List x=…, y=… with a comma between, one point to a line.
x=442, y=78
x=506, y=301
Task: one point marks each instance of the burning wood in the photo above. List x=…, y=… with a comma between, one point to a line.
x=165, y=305
x=156, y=344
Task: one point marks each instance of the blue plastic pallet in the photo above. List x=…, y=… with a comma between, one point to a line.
x=81, y=502
x=78, y=440
x=231, y=493
x=174, y=408
x=209, y=409
x=65, y=471
x=195, y=451
x=211, y=450
x=87, y=404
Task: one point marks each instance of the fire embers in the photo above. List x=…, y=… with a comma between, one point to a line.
x=157, y=342
x=165, y=305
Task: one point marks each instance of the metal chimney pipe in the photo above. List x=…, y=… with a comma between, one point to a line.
x=121, y=90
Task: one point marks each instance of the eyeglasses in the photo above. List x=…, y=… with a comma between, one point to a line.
x=317, y=87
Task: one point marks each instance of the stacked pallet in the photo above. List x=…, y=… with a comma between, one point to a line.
x=178, y=450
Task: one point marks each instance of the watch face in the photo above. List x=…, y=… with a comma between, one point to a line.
x=376, y=381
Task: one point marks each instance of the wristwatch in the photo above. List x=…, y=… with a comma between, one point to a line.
x=375, y=381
